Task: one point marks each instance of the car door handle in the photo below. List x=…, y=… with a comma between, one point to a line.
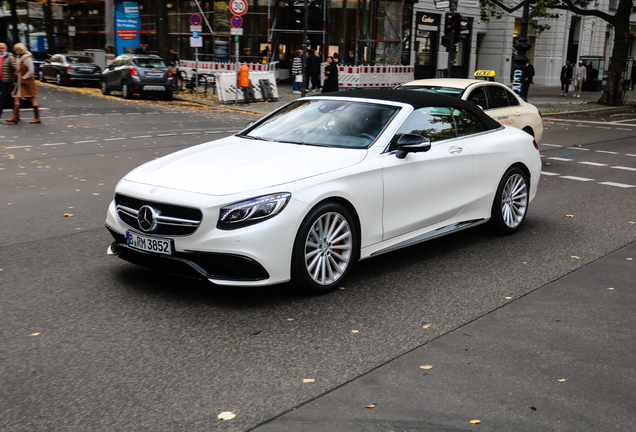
x=518, y=112
x=455, y=150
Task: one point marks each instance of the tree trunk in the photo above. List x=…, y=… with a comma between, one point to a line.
x=161, y=26
x=48, y=24
x=613, y=94
x=14, y=21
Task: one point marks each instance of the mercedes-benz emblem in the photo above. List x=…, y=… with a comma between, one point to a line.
x=147, y=218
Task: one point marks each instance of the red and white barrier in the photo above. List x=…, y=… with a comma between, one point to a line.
x=387, y=76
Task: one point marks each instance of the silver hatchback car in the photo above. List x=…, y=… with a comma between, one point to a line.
x=138, y=73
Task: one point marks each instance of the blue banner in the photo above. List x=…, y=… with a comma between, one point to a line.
x=127, y=26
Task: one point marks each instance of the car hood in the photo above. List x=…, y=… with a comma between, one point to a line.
x=236, y=165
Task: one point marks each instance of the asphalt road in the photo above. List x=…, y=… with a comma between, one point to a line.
x=92, y=343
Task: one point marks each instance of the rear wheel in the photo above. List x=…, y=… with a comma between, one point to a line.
x=511, y=202
x=324, y=249
x=529, y=131
x=125, y=91
x=58, y=79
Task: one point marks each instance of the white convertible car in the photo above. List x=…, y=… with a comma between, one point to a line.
x=324, y=181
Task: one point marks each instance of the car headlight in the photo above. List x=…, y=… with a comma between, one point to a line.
x=252, y=211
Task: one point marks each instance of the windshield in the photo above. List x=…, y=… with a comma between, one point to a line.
x=78, y=59
x=150, y=63
x=448, y=91
x=327, y=123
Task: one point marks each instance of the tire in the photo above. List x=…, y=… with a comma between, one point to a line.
x=511, y=202
x=529, y=131
x=58, y=79
x=125, y=91
x=42, y=79
x=318, y=263
x=104, y=87
x=177, y=84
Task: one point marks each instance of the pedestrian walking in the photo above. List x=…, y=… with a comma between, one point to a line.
x=566, y=78
x=297, y=71
x=331, y=76
x=25, y=87
x=8, y=68
x=526, y=79
x=313, y=71
x=579, y=77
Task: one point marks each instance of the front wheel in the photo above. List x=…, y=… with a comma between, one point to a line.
x=511, y=202
x=42, y=79
x=324, y=249
x=104, y=87
x=58, y=79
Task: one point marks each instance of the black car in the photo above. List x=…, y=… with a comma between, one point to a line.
x=138, y=73
x=67, y=68
x=39, y=58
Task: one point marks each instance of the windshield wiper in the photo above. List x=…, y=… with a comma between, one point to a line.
x=253, y=137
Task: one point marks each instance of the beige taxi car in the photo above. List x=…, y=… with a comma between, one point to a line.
x=497, y=100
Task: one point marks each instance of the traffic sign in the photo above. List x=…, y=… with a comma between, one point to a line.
x=196, y=42
x=236, y=31
x=236, y=21
x=195, y=19
x=194, y=28
x=238, y=7
x=196, y=35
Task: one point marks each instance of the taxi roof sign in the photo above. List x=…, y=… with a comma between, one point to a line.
x=487, y=74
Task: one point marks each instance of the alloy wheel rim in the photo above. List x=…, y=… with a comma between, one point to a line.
x=328, y=248
x=514, y=201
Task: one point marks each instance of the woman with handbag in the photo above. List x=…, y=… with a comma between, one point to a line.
x=25, y=87
x=331, y=76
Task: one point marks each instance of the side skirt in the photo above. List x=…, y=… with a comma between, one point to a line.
x=431, y=235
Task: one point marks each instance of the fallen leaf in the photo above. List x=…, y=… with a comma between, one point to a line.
x=290, y=319
x=68, y=214
x=508, y=298
x=630, y=259
x=309, y=380
x=34, y=334
x=426, y=326
x=570, y=216
x=611, y=289
x=562, y=380
x=426, y=367
x=574, y=257
x=475, y=422
x=355, y=331
x=370, y=406
x=227, y=415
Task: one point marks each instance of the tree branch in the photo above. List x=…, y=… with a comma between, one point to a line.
x=574, y=8
x=506, y=8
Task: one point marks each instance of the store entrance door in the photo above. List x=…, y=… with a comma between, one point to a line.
x=426, y=41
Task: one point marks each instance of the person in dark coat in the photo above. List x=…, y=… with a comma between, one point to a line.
x=313, y=71
x=331, y=76
x=8, y=68
x=526, y=79
x=566, y=78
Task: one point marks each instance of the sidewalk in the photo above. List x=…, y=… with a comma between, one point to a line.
x=558, y=359
x=547, y=99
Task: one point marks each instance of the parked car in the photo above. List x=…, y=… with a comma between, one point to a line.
x=39, y=58
x=497, y=100
x=138, y=73
x=324, y=181
x=70, y=68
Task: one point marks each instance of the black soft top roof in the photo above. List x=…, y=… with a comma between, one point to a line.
x=419, y=99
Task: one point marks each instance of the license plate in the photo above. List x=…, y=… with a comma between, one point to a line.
x=85, y=70
x=149, y=244
x=154, y=88
x=154, y=74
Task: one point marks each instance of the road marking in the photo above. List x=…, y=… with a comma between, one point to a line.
x=612, y=123
x=593, y=163
x=624, y=168
x=122, y=114
x=134, y=113
x=53, y=144
x=582, y=126
x=90, y=114
x=605, y=151
x=620, y=185
x=84, y=142
x=141, y=136
x=17, y=147
x=190, y=133
x=630, y=155
x=602, y=127
x=561, y=159
x=114, y=139
x=578, y=148
x=624, y=129
x=168, y=134
x=551, y=145
x=549, y=173
x=583, y=179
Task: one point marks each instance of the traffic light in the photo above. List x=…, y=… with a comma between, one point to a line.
x=448, y=24
x=296, y=15
x=459, y=24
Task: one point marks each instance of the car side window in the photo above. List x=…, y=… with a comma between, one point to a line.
x=478, y=97
x=497, y=97
x=434, y=123
x=55, y=59
x=512, y=99
x=467, y=123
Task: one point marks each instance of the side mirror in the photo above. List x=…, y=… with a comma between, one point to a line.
x=412, y=143
x=111, y=67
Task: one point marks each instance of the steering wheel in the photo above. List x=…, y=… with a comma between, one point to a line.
x=365, y=135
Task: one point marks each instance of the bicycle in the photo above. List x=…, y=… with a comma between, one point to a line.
x=182, y=82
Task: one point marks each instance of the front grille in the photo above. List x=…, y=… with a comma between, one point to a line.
x=171, y=220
